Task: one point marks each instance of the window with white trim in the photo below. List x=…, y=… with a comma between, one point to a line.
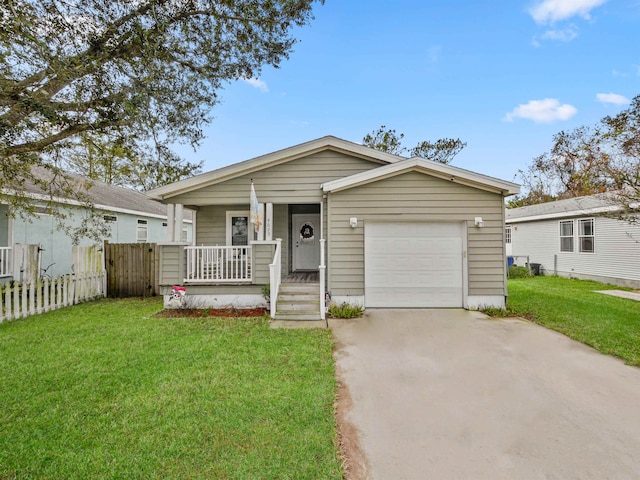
x=566, y=235
x=507, y=234
x=586, y=235
x=237, y=228
x=183, y=235
x=142, y=231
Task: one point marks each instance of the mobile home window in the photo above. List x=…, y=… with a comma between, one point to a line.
x=507, y=234
x=566, y=236
x=586, y=235
x=110, y=218
x=141, y=231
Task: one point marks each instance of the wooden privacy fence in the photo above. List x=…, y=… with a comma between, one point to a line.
x=132, y=269
x=21, y=299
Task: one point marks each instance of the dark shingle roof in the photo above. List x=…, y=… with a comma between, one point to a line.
x=103, y=194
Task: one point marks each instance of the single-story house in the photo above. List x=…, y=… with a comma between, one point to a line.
x=364, y=226
x=131, y=217
x=577, y=237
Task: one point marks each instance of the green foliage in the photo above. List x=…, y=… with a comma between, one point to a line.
x=106, y=87
x=587, y=161
x=519, y=272
x=346, y=310
x=609, y=324
x=498, y=312
x=104, y=390
x=266, y=292
x=442, y=150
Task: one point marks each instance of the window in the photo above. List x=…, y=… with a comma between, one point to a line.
x=238, y=228
x=507, y=234
x=566, y=236
x=141, y=231
x=42, y=210
x=586, y=235
x=110, y=218
x=183, y=235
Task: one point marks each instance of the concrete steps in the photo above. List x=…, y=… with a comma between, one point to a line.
x=298, y=301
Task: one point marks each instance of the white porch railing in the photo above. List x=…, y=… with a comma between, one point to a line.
x=5, y=261
x=322, y=270
x=218, y=264
x=275, y=277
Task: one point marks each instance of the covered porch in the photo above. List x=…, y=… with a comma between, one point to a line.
x=228, y=254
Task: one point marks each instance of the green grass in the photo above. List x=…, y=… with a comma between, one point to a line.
x=609, y=324
x=102, y=390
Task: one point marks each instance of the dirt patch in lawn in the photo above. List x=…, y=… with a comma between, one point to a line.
x=354, y=460
x=211, y=312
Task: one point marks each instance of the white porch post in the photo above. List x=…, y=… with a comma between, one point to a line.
x=171, y=223
x=194, y=224
x=179, y=221
x=268, y=222
x=260, y=235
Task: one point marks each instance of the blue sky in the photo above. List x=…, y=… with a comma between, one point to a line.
x=504, y=76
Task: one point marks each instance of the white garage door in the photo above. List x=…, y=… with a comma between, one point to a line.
x=413, y=265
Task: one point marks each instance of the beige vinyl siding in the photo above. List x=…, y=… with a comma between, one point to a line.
x=416, y=197
x=172, y=265
x=297, y=181
x=617, y=249
x=262, y=256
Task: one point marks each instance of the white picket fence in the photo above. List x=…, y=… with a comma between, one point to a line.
x=19, y=300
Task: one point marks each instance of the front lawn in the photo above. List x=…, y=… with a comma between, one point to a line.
x=103, y=390
x=608, y=324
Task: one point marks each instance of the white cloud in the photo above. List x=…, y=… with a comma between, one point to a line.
x=613, y=98
x=257, y=83
x=564, y=35
x=549, y=11
x=542, y=111
x=618, y=73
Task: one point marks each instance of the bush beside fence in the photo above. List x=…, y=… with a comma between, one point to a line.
x=19, y=300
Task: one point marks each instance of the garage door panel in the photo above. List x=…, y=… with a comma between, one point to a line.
x=413, y=265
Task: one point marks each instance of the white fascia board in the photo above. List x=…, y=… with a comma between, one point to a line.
x=269, y=160
x=439, y=170
x=75, y=203
x=568, y=213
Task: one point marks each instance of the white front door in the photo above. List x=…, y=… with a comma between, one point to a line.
x=305, y=236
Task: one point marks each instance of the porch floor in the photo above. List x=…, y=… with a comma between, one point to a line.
x=302, y=277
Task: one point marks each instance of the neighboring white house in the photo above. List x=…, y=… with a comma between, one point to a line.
x=131, y=216
x=575, y=238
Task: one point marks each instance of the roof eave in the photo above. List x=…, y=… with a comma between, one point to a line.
x=269, y=160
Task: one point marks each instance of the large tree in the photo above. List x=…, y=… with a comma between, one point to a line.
x=589, y=160
x=109, y=85
x=442, y=150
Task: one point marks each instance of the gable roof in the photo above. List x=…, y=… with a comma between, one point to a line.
x=446, y=172
x=570, y=207
x=281, y=156
x=102, y=195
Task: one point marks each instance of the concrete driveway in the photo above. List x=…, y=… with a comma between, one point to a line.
x=450, y=394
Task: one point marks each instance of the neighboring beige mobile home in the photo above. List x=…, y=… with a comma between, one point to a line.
x=344, y=221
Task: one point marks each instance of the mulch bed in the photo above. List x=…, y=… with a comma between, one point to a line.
x=211, y=312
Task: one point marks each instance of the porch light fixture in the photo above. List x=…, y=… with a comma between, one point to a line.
x=353, y=221
x=479, y=222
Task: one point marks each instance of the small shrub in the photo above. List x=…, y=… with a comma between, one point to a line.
x=266, y=292
x=346, y=310
x=498, y=312
x=519, y=272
